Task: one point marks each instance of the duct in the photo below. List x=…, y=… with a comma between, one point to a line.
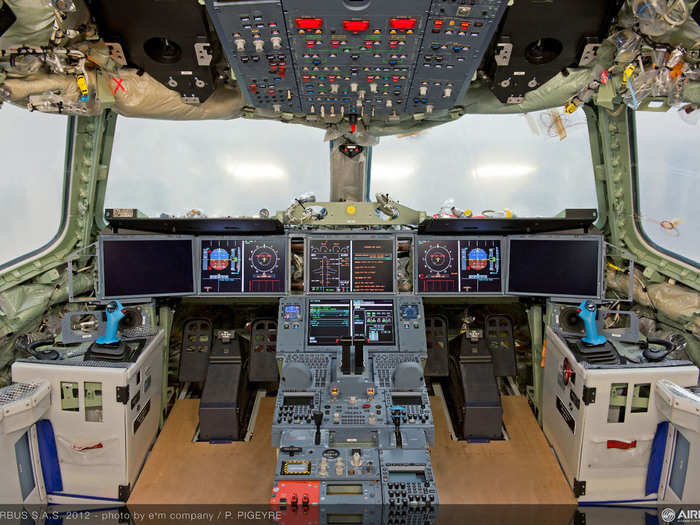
x=126, y=92
x=143, y=96
x=23, y=304
x=678, y=303
x=34, y=24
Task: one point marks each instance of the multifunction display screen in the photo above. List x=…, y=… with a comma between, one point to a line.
x=459, y=266
x=351, y=265
x=146, y=267
x=332, y=319
x=565, y=267
x=230, y=266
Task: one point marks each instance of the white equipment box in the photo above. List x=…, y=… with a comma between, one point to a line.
x=105, y=417
x=680, y=475
x=21, y=406
x=600, y=415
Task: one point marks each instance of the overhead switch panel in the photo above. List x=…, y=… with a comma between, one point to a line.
x=361, y=58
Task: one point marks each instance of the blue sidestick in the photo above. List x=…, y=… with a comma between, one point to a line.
x=115, y=313
x=587, y=311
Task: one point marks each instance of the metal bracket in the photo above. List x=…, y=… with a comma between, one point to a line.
x=503, y=52
x=203, y=53
x=124, y=491
x=123, y=395
x=579, y=488
x=588, y=396
x=589, y=52
x=79, y=254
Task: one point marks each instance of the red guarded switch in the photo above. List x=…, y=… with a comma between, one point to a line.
x=309, y=23
x=402, y=23
x=624, y=445
x=355, y=26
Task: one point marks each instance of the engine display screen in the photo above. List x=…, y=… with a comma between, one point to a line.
x=459, y=266
x=234, y=266
x=330, y=320
x=146, y=267
x=351, y=265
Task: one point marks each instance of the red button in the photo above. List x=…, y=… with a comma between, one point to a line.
x=624, y=445
x=402, y=23
x=465, y=25
x=309, y=23
x=355, y=25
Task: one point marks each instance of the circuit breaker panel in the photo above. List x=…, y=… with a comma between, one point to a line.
x=338, y=58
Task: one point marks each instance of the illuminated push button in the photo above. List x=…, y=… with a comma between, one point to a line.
x=355, y=26
x=350, y=210
x=309, y=23
x=402, y=23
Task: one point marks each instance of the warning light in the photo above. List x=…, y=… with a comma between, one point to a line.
x=309, y=23
x=355, y=26
x=402, y=23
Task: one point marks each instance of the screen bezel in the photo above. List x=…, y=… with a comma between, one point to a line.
x=338, y=236
x=287, y=266
x=100, y=265
x=575, y=237
x=504, y=261
x=345, y=297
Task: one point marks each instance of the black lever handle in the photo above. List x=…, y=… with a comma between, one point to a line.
x=345, y=342
x=396, y=418
x=318, y=419
x=359, y=355
x=290, y=450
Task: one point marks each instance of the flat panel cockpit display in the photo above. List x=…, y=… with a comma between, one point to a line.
x=330, y=320
x=452, y=266
x=145, y=266
x=235, y=266
x=346, y=265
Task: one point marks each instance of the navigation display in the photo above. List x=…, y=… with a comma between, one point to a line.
x=234, y=266
x=332, y=319
x=351, y=265
x=459, y=266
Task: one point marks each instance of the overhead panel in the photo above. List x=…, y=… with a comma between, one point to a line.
x=357, y=58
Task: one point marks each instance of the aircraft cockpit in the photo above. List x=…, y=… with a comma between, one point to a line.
x=352, y=261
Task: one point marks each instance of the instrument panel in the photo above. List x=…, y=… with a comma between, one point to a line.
x=360, y=265
x=351, y=264
x=236, y=266
x=465, y=266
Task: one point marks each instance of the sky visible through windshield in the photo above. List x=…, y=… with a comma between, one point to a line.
x=230, y=168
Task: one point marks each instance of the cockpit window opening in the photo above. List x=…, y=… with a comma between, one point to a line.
x=534, y=164
x=215, y=168
x=34, y=188
x=667, y=181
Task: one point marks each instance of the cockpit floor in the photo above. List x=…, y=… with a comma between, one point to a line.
x=522, y=470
